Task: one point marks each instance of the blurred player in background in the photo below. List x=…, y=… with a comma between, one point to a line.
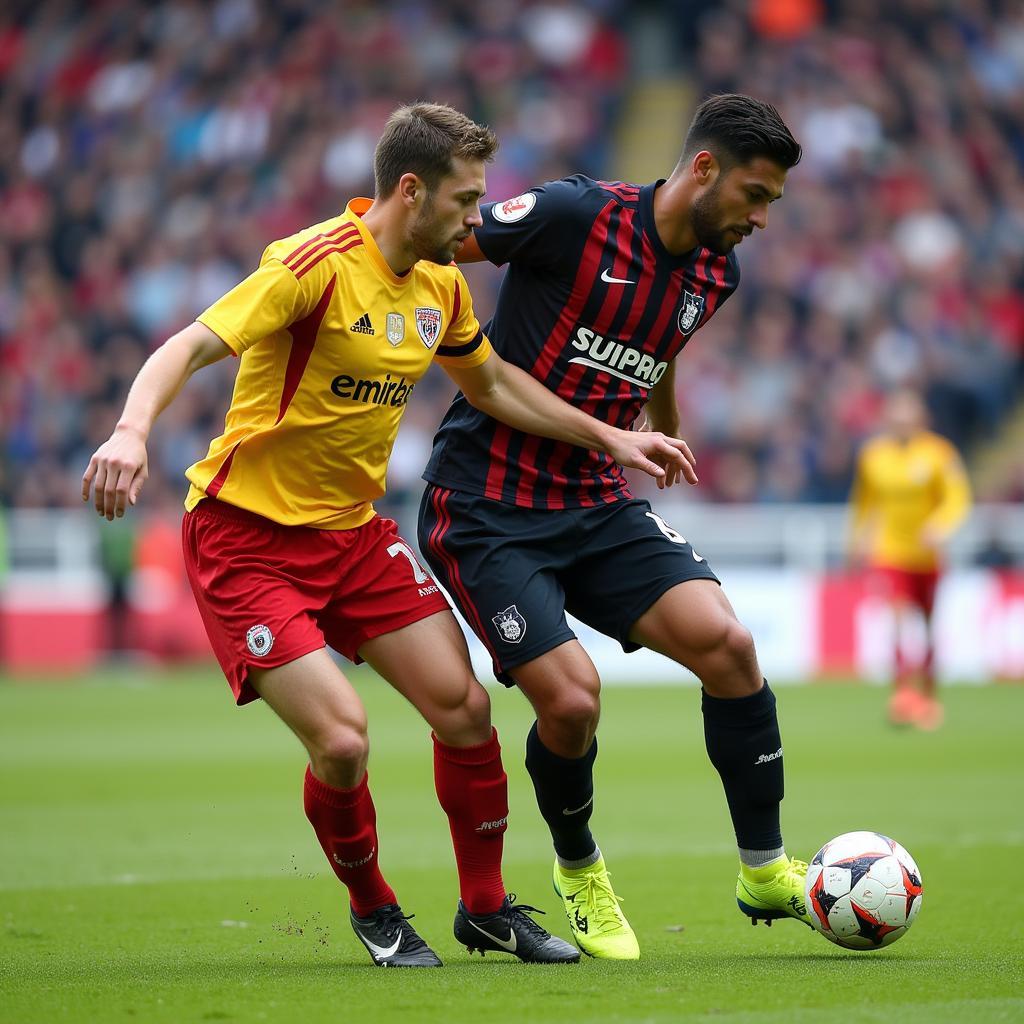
x=910, y=493
x=606, y=284
x=283, y=548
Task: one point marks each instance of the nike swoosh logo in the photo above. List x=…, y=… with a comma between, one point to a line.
x=582, y=807
x=608, y=279
x=381, y=952
x=509, y=943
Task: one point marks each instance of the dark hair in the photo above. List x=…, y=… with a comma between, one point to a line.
x=422, y=139
x=736, y=129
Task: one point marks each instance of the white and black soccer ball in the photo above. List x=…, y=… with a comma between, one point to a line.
x=863, y=890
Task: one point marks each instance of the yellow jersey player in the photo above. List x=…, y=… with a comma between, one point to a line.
x=910, y=493
x=282, y=545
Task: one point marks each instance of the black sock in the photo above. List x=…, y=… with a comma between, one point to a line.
x=564, y=784
x=743, y=742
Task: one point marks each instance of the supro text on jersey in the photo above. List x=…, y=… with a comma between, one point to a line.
x=629, y=364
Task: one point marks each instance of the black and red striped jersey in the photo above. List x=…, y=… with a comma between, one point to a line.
x=595, y=308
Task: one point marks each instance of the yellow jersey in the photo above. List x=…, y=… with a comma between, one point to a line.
x=902, y=488
x=331, y=343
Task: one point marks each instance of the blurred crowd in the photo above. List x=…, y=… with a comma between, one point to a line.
x=897, y=254
x=148, y=152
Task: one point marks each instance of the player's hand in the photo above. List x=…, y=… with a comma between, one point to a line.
x=673, y=470
x=118, y=469
x=934, y=538
x=664, y=458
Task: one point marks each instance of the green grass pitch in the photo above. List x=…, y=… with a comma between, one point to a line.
x=155, y=864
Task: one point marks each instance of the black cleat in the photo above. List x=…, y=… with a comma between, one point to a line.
x=510, y=930
x=391, y=940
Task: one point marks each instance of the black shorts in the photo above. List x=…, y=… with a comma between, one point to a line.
x=514, y=572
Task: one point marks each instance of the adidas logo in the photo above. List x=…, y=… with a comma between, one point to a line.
x=363, y=325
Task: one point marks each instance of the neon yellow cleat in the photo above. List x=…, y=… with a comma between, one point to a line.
x=596, y=920
x=773, y=891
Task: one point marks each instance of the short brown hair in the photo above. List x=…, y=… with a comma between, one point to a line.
x=422, y=139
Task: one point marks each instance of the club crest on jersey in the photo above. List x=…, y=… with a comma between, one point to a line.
x=259, y=640
x=510, y=624
x=514, y=209
x=428, y=325
x=395, y=329
x=690, y=312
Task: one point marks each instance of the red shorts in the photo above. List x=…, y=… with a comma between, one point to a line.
x=269, y=594
x=916, y=588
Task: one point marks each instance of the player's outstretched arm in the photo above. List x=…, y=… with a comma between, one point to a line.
x=119, y=467
x=511, y=395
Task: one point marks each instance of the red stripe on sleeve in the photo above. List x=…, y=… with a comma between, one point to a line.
x=346, y=229
x=327, y=252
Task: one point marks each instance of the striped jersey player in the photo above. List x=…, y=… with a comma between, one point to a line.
x=595, y=308
x=606, y=283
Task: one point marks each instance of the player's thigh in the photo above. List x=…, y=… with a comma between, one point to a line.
x=500, y=565
x=428, y=663
x=562, y=684
x=258, y=587
x=694, y=624
x=312, y=696
x=627, y=558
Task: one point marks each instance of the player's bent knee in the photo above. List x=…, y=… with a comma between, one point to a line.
x=573, y=712
x=731, y=669
x=342, y=750
x=739, y=644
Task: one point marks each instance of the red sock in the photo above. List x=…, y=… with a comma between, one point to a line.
x=345, y=822
x=904, y=670
x=473, y=790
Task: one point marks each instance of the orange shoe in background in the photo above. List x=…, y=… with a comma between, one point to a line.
x=904, y=706
x=929, y=714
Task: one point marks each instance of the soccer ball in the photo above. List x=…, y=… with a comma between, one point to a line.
x=863, y=890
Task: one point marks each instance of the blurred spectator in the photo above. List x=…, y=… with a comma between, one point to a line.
x=147, y=155
x=897, y=255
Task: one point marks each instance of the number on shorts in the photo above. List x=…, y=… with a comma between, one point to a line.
x=673, y=535
x=401, y=548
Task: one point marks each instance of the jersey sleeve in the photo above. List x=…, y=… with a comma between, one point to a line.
x=954, y=490
x=269, y=299
x=464, y=343
x=862, y=496
x=540, y=226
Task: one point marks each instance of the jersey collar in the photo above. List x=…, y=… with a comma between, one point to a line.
x=646, y=205
x=355, y=210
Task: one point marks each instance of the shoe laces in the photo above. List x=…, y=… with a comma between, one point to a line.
x=392, y=921
x=795, y=872
x=519, y=913
x=598, y=893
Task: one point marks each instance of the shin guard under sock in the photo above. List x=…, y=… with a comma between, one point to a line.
x=743, y=742
x=565, y=796
x=345, y=822
x=473, y=791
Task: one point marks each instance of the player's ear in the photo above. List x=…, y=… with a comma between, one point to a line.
x=704, y=168
x=411, y=190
